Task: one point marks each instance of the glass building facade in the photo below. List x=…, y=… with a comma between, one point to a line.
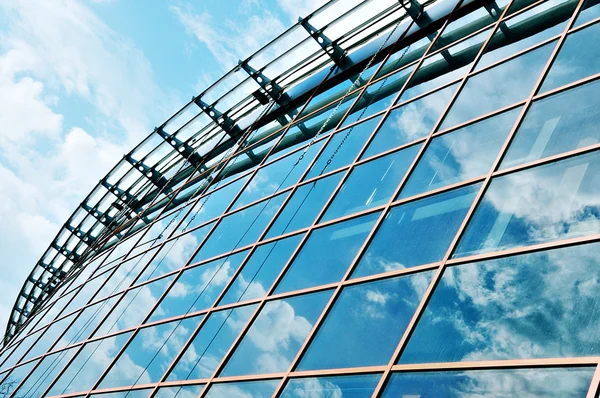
x=422, y=224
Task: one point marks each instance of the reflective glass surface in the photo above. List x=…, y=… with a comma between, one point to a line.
x=260, y=271
x=327, y=254
x=276, y=335
x=416, y=233
x=559, y=123
x=589, y=12
x=482, y=93
x=462, y=154
x=356, y=386
x=554, y=201
x=528, y=383
x=527, y=306
x=246, y=389
x=180, y=392
x=579, y=57
x=366, y=323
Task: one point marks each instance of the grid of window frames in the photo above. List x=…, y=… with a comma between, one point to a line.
x=441, y=238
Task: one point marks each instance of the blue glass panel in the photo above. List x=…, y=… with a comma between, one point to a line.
x=197, y=288
x=239, y=229
x=174, y=254
x=462, y=154
x=88, y=365
x=527, y=306
x=145, y=393
x=589, y=12
x=124, y=274
x=210, y=345
x=276, y=335
x=366, y=323
x=410, y=122
x=180, y=392
x=18, y=352
x=245, y=389
x=523, y=383
x=343, y=148
x=305, y=205
x=500, y=86
x=355, y=386
x=416, y=233
x=277, y=176
x=579, y=57
x=260, y=270
x=554, y=201
x=149, y=354
x=525, y=30
x=48, y=338
x=327, y=254
x=371, y=184
x=134, y=307
x=86, y=321
x=12, y=380
x=556, y=124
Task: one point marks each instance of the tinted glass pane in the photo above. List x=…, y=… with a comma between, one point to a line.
x=305, y=205
x=410, y=122
x=125, y=394
x=343, y=148
x=48, y=337
x=589, y=12
x=239, y=229
x=197, y=288
x=562, y=122
x=498, y=87
x=555, y=201
x=529, y=383
x=579, y=57
x=462, y=154
x=180, y=392
x=416, y=233
x=134, y=307
x=247, y=389
x=8, y=385
x=527, y=306
x=366, y=323
x=149, y=354
x=338, y=386
x=527, y=29
x=327, y=254
x=276, y=335
x=260, y=270
x=88, y=365
x=210, y=345
x=277, y=176
x=87, y=321
x=371, y=184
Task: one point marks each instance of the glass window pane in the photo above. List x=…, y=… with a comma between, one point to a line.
x=145, y=393
x=327, y=254
x=416, y=233
x=462, y=154
x=245, y=389
x=526, y=306
x=554, y=201
x=260, y=270
x=589, y=12
x=371, y=184
x=579, y=57
x=210, y=345
x=527, y=29
x=180, y=392
x=366, y=323
x=149, y=354
x=87, y=321
x=8, y=385
x=355, y=386
x=343, y=148
x=197, y=288
x=276, y=335
x=277, y=176
x=134, y=307
x=305, y=205
x=88, y=365
x=556, y=124
x=410, y=122
x=500, y=86
x=239, y=229
x=523, y=383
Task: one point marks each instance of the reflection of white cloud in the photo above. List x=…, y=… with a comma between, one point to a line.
x=312, y=388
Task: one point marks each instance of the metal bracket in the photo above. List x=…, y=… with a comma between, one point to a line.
x=186, y=150
x=335, y=52
x=271, y=88
x=149, y=172
x=224, y=121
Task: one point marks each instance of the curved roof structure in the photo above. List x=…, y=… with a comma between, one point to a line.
x=190, y=148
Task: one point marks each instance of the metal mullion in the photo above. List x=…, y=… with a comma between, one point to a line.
x=347, y=274
x=584, y=25
x=438, y=275
x=566, y=87
x=594, y=384
x=500, y=364
x=391, y=73
x=135, y=332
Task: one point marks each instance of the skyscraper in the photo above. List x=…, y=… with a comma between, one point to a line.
x=390, y=199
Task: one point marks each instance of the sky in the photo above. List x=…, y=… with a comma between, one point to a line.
x=82, y=82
